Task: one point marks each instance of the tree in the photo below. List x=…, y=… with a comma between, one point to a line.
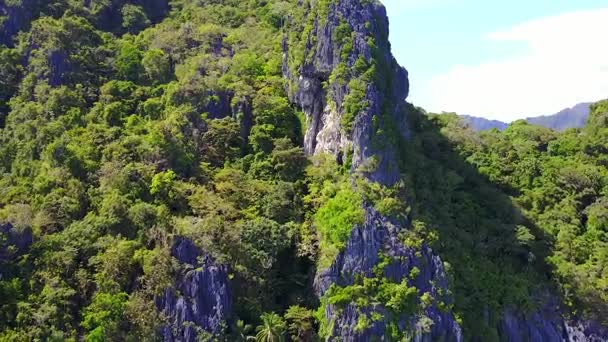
x=104, y=317
x=272, y=328
x=116, y=265
x=288, y=160
x=128, y=62
x=337, y=217
x=134, y=18
x=222, y=141
x=157, y=66
x=9, y=78
x=300, y=323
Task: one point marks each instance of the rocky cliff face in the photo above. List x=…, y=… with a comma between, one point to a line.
x=549, y=324
x=200, y=303
x=379, y=236
x=325, y=99
x=323, y=91
x=351, y=35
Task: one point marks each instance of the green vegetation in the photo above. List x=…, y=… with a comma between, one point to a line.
x=300, y=324
x=354, y=103
x=122, y=126
x=335, y=219
x=559, y=180
x=120, y=129
x=513, y=214
x=125, y=125
x=272, y=328
x=333, y=208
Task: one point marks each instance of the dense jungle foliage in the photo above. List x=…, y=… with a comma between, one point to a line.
x=114, y=139
x=558, y=184
x=514, y=214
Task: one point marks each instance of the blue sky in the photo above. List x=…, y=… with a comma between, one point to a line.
x=501, y=59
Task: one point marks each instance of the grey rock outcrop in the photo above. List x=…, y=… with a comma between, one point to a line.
x=380, y=235
x=201, y=301
x=586, y=331
x=547, y=324
x=322, y=100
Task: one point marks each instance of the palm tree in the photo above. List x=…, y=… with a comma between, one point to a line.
x=272, y=328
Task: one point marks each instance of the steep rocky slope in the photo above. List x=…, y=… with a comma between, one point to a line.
x=379, y=236
x=351, y=37
x=201, y=299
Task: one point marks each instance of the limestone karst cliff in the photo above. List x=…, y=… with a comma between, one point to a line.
x=323, y=93
x=325, y=99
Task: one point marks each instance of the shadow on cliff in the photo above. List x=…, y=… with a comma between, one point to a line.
x=494, y=254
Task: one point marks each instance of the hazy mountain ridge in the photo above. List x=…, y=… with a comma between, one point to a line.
x=574, y=117
x=482, y=124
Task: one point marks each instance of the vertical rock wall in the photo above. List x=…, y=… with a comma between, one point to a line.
x=200, y=302
x=322, y=98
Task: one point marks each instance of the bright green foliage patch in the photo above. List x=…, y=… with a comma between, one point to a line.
x=336, y=206
x=336, y=218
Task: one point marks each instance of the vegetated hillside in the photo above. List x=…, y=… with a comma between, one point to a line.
x=223, y=169
x=117, y=139
x=575, y=117
x=559, y=181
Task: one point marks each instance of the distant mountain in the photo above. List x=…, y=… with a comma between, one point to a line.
x=575, y=117
x=482, y=124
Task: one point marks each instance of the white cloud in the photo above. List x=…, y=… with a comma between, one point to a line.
x=566, y=63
